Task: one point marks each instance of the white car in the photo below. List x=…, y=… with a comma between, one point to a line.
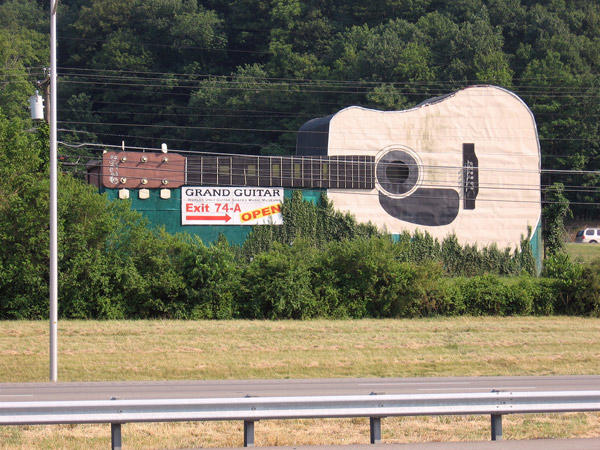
x=588, y=235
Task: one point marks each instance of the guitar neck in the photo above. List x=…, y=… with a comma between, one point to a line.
x=309, y=172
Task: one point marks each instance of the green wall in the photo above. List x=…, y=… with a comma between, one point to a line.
x=168, y=213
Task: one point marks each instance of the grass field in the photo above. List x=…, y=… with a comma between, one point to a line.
x=583, y=252
x=169, y=350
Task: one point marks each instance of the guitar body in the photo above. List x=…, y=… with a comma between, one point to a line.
x=466, y=163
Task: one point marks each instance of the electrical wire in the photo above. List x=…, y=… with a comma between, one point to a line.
x=267, y=130
x=293, y=89
x=444, y=83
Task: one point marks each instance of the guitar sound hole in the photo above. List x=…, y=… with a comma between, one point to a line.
x=397, y=172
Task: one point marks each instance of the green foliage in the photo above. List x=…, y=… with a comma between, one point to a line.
x=318, y=224
x=315, y=223
x=22, y=45
x=575, y=285
x=554, y=214
x=213, y=74
x=278, y=284
x=484, y=295
x=213, y=281
x=366, y=279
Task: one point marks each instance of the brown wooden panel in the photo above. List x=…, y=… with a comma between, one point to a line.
x=137, y=170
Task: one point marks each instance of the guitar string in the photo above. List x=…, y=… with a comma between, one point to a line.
x=242, y=172
x=437, y=197
x=237, y=165
x=329, y=159
x=308, y=182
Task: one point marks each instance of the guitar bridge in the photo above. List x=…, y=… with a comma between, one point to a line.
x=470, y=176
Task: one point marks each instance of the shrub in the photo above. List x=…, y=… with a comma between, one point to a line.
x=364, y=278
x=485, y=295
x=213, y=279
x=278, y=284
x=568, y=282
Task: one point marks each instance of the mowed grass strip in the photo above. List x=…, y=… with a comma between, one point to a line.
x=176, y=350
x=173, y=350
x=583, y=252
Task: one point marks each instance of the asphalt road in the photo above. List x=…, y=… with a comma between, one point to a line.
x=13, y=392
x=537, y=444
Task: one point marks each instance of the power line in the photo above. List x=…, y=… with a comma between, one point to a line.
x=254, y=111
x=268, y=130
x=278, y=115
x=266, y=87
x=210, y=142
x=272, y=115
x=450, y=83
x=187, y=47
x=133, y=136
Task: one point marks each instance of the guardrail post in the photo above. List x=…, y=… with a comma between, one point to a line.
x=375, y=425
x=248, y=433
x=115, y=436
x=496, y=427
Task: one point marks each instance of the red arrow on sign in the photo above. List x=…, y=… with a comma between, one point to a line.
x=226, y=218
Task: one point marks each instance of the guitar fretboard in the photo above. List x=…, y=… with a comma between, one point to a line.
x=311, y=172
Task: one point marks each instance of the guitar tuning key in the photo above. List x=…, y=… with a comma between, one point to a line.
x=165, y=181
x=144, y=159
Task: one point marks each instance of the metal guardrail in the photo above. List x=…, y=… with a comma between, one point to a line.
x=376, y=407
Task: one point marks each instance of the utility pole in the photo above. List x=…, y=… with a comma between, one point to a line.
x=53, y=201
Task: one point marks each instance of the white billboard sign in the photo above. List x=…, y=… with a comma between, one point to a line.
x=217, y=205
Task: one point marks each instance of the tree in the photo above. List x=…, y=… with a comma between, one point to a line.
x=554, y=214
x=22, y=46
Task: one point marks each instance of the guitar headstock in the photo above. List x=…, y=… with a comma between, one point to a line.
x=137, y=170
